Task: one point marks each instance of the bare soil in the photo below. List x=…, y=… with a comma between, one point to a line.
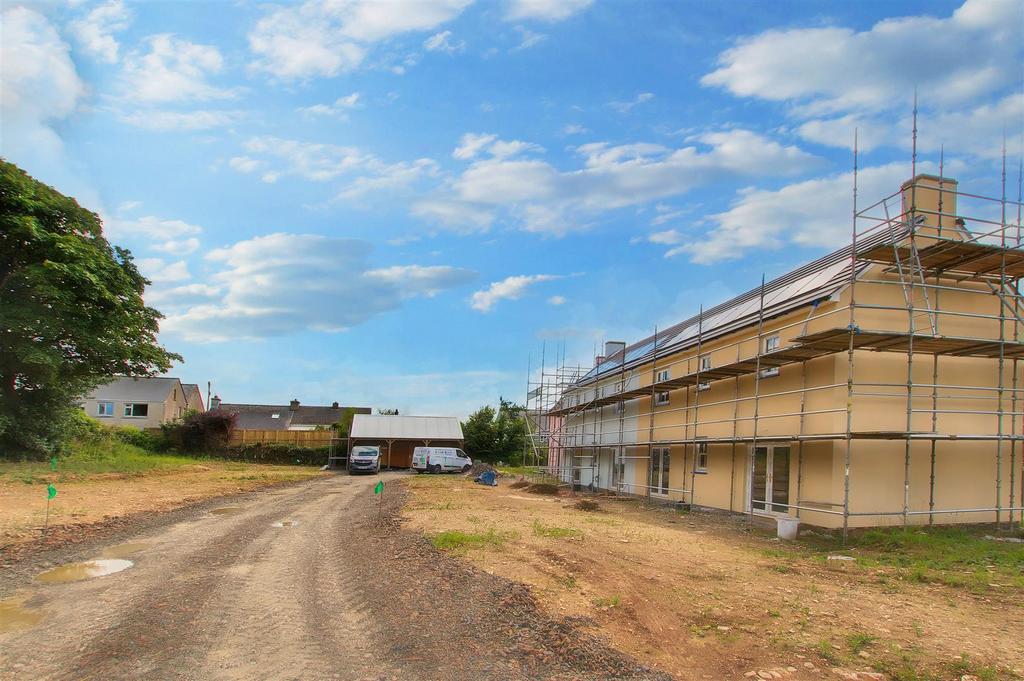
x=705, y=596
x=316, y=580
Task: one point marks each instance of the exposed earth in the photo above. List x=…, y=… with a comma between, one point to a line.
x=311, y=581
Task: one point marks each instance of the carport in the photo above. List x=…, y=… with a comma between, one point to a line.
x=397, y=436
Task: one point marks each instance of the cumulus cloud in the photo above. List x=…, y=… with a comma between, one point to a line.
x=308, y=160
x=442, y=42
x=541, y=198
x=174, y=237
x=327, y=38
x=95, y=31
x=163, y=121
x=172, y=70
x=810, y=213
x=545, y=10
x=339, y=109
x=509, y=288
x=286, y=283
x=557, y=300
x=160, y=271
x=39, y=86
x=955, y=59
x=626, y=107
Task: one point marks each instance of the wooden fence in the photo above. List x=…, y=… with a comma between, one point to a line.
x=300, y=438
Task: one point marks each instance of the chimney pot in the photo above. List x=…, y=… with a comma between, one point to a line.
x=293, y=405
x=334, y=405
x=215, y=402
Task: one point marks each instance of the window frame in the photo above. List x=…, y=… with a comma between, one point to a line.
x=659, y=401
x=663, y=375
x=103, y=414
x=129, y=410
x=771, y=343
x=701, y=454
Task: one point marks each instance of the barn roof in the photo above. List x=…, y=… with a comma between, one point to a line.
x=371, y=427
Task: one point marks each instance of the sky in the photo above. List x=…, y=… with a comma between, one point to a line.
x=402, y=204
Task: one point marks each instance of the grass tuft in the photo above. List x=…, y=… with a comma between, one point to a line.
x=542, y=530
x=457, y=540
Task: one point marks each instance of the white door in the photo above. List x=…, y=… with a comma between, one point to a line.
x=769, y=479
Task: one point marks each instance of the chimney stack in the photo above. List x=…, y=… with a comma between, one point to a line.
x=334, y=405
x=922, y=196
x=293, y=405
x=215, y=402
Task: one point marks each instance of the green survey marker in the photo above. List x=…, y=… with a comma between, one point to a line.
x=51, y=492
x=379, y=487
x=53, y=463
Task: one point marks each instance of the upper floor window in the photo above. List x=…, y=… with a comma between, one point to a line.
x=705, y=362
x=663, y=376
x=661, y=398
x=771, y=343
x=136, y=409
x=104, y=409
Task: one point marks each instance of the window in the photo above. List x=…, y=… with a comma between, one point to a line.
x=701, y=464
x=275, y=415
x=661, y=460
x=104, y=409
x=620, y=407
x=663, y=376
x=661, y=398
x=703, y=385
x=770, y=343
x=705, y=363
x=136, y=410
x=619, y=386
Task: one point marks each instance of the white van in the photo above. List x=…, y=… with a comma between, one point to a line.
x=440, y=459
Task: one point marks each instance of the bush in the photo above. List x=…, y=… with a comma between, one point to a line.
x=143, y=439
x=271, y=452
x=207, y=432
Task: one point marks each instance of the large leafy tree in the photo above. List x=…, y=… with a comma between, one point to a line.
x=71, y=312
x=496, y=434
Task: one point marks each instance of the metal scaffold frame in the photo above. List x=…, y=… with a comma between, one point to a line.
x=925, y=251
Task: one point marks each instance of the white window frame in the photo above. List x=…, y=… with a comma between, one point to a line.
x=129, y=408
x=705, y=362
x=663, y=376
x=701, y=459
x=105, y=413
x=771, y=343
x=620, y=407
x=662, y=398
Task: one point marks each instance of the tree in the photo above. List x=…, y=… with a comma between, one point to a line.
x=71, y=313
x=388, y=412
x=496, y=434
x=344, y=424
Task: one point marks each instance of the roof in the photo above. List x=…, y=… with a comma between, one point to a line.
x=370, y=427
x=192, y=389
x=136, y=389
x=261, y=416
x=803, y=286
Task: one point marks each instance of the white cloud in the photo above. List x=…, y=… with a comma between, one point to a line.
x=528, y=38
x=810, y=213
x=327, y=38
x=955, y=59
x=626, y=107
x=286, y=283
x=542, y=198
x=471, y=144
x=669, y=237
x=395, y=176
x=457, y=215
x=173, y=70
x=95, y=31
x=545, y=10
x=38, y=86
x=442, y=42
x=509, y=288
x=174, y=237
x=159, y=120
x=574, y=129
x=245, y=164
x=308, y=160
x=339, y=109
x=171, y=298
x=160, y=272
x=557, y=300
x=177, y=247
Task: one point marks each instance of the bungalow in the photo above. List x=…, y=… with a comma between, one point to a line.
x=141, y=402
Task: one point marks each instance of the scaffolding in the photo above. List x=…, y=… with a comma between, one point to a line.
x=907, y=242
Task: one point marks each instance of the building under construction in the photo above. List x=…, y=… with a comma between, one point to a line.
x=878, y=385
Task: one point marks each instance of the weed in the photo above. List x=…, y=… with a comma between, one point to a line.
x=609, y=602
x=542, y=530
x=456, y=540
x=781, y=568
x=859, y=641
x=569, y=581
x=774, y=613
x=586, y=505
x=827, y=652
x=543, y=488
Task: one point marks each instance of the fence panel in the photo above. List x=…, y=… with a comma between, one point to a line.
x=301, y=438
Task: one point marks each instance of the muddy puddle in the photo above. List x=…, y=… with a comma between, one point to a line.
x=14, y=615
x=90, y=569
x=227, y=510
x=286, y=523
x=124, y=550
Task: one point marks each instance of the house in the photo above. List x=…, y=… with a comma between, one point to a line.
x=142, y=402
x=194, y=397
x=291, y=416
x=877, y=385
x=397, y=436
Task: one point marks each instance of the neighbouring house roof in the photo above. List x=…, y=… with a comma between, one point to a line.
x=803, y=286
x=192, y=391
x=370, y=427
x=136, y=389
x=261, y=416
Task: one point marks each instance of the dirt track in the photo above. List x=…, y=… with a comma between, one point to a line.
x=338, y=594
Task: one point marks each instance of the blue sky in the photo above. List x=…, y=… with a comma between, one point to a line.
x=395, y=204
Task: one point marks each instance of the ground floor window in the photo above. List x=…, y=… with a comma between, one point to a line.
x=661, y=460
x=701, y=463
x=105, y=409
x=135, y=409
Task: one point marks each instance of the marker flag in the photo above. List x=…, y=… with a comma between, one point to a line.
x=379, y=487
x=51, y=492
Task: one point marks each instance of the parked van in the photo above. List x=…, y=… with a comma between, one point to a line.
x=440, y=459
x=364, y=459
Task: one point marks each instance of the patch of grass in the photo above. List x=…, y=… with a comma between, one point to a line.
x=516, y=470
x=457, y=540
x=859, y=641
x=586, y=505
x=543, y=488
x=542, y=530
x=608, y=602
x=781, y=568
x=106, y=455
x=827, y=652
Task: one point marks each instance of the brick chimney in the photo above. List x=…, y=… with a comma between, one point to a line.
x=922, y=196
x=293, y=405
x=215, y=402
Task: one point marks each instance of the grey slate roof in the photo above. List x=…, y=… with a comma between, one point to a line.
x=261, y=416
x=136, y=389
x=192, y=389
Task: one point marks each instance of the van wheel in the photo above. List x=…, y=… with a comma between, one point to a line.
x=437, y=468
x=465, y=469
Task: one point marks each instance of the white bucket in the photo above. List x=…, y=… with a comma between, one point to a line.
x=787, y=528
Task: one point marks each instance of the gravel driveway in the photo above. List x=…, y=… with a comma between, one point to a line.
x=304, y=582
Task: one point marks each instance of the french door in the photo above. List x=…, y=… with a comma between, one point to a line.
x=661, y=460
x=769, y=479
